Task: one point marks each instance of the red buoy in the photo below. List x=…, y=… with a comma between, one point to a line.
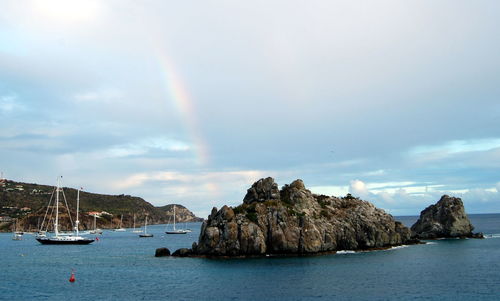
x=72, y=278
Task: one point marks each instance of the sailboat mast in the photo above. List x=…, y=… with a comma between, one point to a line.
x=56, y=223
x=146, y=225
x=174, y=217
x=77, y=209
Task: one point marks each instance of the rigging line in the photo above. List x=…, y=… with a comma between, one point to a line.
x=67, y=207
x=47, y=211
x=50, y=217
x=52, y=202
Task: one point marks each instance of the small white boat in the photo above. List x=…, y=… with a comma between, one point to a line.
x=146, y=234
x=174, y=230
x=17, y=235
x=120, y=228
x=135, y=230
x=95, y=231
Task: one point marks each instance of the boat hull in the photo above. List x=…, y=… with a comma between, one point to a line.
x=146, y=235
x=175, y=232
x=51, y=241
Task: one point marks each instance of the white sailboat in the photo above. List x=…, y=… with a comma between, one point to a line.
x=146, y=234
x=135, y=230
x=96, y=230
x=17, y=235
x=63, y=238
x=186, y=229
x=176, y=231
x=120, y=229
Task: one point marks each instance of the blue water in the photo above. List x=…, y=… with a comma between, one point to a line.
x=122, y=266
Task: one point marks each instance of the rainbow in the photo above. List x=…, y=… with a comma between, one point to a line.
x=179, y=95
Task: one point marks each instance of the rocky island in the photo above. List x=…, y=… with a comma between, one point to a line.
x=445, y=219
x=294, y=221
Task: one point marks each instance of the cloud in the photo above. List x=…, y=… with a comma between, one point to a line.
x=65, y=12
x=330, y=190
x=456, y=146
x=34, y=143
x=411, y=199
x=242, y=176
x=198, y=190
x=358, y=188
x=48, y=14
x=101, y=96
x=147, y=145
x=9, y=104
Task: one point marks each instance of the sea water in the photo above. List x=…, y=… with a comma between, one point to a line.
x=122, y=266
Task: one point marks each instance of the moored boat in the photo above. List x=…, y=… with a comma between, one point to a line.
x=146, y=234
x=120, y=228
x=60, y=238
x=17, y=235
x=135, y=230
x=174, y=230
x=96, y=230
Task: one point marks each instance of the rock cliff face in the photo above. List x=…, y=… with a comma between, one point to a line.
x=445, y=219
x=295, y=221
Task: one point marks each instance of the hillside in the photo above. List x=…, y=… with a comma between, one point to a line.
x=183, y=215
x=28, y=203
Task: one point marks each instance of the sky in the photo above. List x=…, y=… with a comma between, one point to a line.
x=190, y=102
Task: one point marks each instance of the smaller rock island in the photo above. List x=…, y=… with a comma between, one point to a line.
x=445, y=219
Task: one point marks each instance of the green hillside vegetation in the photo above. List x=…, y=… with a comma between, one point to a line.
x=182, y=214
x=28, y=203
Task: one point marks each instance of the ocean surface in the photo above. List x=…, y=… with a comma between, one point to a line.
x=121, y=266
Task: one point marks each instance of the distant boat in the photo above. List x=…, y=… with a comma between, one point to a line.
x=176, y=231
x=96, y=230
x=17, y=235
x=60, y=238
x=146, y=234
x=120, y=228
x=135, y=230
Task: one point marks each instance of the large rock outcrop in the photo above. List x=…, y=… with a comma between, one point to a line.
x=295, y=221
x=445, y=219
